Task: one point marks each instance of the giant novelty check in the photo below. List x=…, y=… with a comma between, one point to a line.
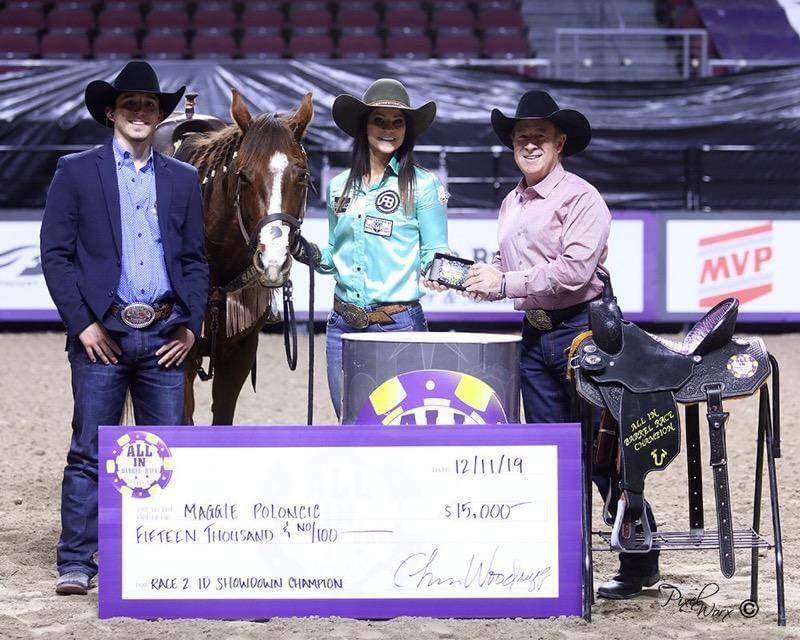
x=370, y=522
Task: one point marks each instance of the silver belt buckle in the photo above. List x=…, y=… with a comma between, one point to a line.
x=355, y=316
x=539, y=319
x=138, y=315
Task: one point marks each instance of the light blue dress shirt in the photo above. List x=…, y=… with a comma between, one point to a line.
x=144, y=275
x=376, y=249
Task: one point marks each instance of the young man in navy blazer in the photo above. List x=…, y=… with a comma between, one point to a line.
x=123, y=257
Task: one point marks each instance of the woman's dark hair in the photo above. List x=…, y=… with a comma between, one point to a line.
x=359, y=164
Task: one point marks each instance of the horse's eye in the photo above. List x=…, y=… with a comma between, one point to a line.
x=243, y=177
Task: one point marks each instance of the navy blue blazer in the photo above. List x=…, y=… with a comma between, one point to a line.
x=81, y=237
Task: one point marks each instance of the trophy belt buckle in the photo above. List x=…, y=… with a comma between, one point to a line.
x=539, y=319
x=355, y=316
x=138, y=315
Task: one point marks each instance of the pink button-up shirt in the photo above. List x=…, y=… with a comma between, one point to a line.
x=552, y=236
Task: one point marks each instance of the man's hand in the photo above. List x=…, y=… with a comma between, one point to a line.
x=99, y=344
x=176, y=348
x=483, y=282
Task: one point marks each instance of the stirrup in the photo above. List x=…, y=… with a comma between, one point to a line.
x=623, y=535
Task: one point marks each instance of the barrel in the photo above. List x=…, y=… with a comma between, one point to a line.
x=409, y=377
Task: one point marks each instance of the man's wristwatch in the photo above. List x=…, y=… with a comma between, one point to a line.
x=503, y=286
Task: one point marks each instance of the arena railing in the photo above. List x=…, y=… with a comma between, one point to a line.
x=628, y=47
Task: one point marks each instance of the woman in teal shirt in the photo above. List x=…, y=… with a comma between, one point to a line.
x=387, y=217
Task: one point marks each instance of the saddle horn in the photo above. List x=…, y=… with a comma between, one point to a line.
x=605, y=317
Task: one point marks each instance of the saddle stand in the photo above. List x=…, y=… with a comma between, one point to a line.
x=637, y=380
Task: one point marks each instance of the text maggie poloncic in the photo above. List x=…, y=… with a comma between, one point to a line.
x=701, y=606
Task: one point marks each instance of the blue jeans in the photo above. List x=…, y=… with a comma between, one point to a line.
x=412, y=319
x=99, y=397
x=547, y=397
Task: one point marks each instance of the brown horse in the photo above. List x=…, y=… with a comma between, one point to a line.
x=255, y=177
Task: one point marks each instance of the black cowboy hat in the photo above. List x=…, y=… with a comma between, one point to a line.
x=348, y=110
x=538, y=105
x=136, y=77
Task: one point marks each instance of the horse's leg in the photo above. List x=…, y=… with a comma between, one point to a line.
x=190, y=372
x=234, y=362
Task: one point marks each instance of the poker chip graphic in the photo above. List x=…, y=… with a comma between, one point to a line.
x=141, y=463
x=742, y=365
x=432, y=397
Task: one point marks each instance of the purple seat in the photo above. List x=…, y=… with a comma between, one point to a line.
x=405, y=44
x=310, y=17
x=457, y=45
x=364, y=43
x=120, y=15
x=399, y=17
x=70, y=17
x=169, y=15
x=262, y=43
x=499, y=45
x=164, y=44
x=686, y=17
x=310, y=44
x=213, y=43
x=115, y=43
x=262, y=15
x=450, y=5
x=498, y=4
x=22, y=17
x=452, y=18
x=357, y=18
x=18, y=45
x=65, y=43
x=214, y=15
x=493, y=18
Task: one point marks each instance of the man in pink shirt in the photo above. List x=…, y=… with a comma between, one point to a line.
x=553, y=235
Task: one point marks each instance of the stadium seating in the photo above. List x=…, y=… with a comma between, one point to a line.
x=748, y=29
x=18, y=45
x=115, y=43
x=262, y=43
x=263, y=28
x=360, y=43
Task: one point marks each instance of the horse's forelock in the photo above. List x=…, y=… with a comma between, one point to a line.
x=266, y=135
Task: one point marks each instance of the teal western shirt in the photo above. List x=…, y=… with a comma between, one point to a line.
x=376, y=249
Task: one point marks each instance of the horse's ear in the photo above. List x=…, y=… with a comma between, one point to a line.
x=301, y=118
x=239, y=112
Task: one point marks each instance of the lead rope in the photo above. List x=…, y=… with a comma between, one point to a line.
x=310, y=412
x=290, y=333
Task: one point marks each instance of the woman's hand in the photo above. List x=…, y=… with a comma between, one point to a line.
x=433, y=285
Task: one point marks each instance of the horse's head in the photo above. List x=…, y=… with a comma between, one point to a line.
x=272, y=181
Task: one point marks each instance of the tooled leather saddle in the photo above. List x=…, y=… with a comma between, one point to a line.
x=639, y=379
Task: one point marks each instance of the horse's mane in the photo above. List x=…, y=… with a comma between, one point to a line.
x=216, y=150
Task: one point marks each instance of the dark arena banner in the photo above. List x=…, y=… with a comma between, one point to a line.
x=361, y=522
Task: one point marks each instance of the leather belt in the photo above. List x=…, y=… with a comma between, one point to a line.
x=139, y=315
x=546, y=320
x=719, y=463
x=361, y=317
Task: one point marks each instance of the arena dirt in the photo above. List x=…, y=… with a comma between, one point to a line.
x=34, y=422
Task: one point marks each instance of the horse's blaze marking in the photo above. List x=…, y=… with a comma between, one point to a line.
x=274, y=230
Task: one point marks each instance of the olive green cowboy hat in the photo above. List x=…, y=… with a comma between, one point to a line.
x=136, y=77
x=348, y=110
x=538, y=105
